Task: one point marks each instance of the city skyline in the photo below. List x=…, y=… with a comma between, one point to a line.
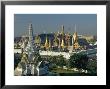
x=86, y=24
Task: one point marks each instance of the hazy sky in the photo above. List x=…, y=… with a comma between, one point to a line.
x=85, y=23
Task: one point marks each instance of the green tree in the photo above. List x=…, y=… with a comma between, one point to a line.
x=17, y=59
x=37, y=58
x=92, y=66
x=61, y=61
x=53, y=61
x=78, y=60
x=58, y=60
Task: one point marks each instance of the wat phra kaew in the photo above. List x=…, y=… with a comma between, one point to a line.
x=49, y=54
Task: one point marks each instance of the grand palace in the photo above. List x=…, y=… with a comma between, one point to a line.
x=31, y=47
x=59, y=41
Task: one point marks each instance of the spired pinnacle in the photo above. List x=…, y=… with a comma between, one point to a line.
x=63, y=29
x=30, y=25
x=62, y=43
x=30, y=32
x=30, y=48
x=46, y=42
x=30, y=56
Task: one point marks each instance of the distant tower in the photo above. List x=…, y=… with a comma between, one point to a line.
x=62, y=30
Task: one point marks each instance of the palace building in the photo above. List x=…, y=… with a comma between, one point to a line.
x=34, y=47
x=59, y=41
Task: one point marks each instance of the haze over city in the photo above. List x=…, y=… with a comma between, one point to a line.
x=86, y=24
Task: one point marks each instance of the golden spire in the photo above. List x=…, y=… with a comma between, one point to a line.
x=37, y=40
x=24, y=58
x=68, y=39
x=55, y=40
x=75, y=36
x=46, y=43
x=75, y=40
x=62, y=43
x=49, y=43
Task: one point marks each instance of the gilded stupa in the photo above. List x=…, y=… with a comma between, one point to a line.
x=46, y=43
x=62, y=44
x=75, y=40
x=55, y=40
x=62, y=41
x=37, y=40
